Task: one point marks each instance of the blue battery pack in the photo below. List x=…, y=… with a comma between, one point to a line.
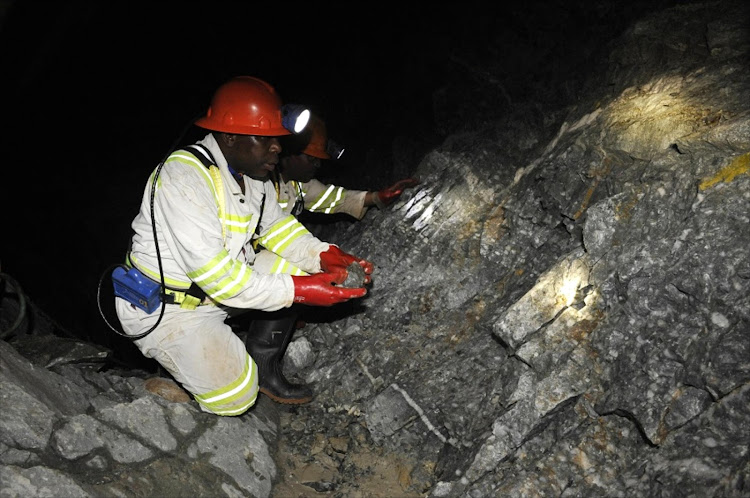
x=136, y=289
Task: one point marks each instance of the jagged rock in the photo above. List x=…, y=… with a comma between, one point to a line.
x=49, y=416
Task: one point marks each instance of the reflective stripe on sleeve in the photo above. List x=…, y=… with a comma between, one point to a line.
x=328, y=200
x=283, y=233
x=230, y=284
x=222, y=277
x=238, y=224
x=213, y=270
x=281, y=265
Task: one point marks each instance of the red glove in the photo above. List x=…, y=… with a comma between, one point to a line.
x=320, y=289
x=334, y=259
x=388, y=196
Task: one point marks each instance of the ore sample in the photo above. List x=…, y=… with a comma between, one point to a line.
x=356, y=276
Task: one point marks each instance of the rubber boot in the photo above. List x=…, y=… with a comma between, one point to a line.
x=267, y=340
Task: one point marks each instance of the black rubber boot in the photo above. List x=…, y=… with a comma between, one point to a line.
x=267, y=340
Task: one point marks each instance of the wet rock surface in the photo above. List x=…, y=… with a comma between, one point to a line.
x=559, y=309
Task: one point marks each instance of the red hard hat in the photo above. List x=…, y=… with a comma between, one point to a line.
x=317, y=144
x=247, y=106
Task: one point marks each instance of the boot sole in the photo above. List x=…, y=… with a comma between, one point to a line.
x=286, y=401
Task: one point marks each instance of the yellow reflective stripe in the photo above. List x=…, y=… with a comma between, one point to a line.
x=322, y=204
x=237, y=223
x=322, y=198
x=212, y=176
x=151, y=180
x=215, y=267
x=222, y=277
x=188, y=158
x=153, y=275
x=239, y=388
x=282, y=244
x=283, y=233
x=219, y=198
x=339, y=198
x=239, y=385
x=281, y=265
x=239, y=410
x=278, y=230
x=229, y=285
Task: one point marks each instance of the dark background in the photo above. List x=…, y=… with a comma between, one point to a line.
x=97, y=93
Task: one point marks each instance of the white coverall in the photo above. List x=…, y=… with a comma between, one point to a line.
x=198, y=243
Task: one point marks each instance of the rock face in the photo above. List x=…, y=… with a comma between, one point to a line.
x=68, y=430
x=561, y=308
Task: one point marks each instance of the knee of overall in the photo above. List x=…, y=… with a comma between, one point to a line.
x=236, y=397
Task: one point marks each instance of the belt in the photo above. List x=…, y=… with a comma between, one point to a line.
x=188, y=299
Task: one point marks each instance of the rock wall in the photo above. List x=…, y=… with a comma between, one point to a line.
x=562, y=307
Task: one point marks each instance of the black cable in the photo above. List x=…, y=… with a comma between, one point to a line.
x=21, y=304
x=163, y=292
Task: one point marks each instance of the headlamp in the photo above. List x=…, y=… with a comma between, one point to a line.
x=334, y=150
x=294, y=117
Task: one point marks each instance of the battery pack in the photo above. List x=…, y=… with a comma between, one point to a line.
x=136, y=289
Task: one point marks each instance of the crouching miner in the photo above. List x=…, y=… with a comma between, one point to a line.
x=202, y=209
